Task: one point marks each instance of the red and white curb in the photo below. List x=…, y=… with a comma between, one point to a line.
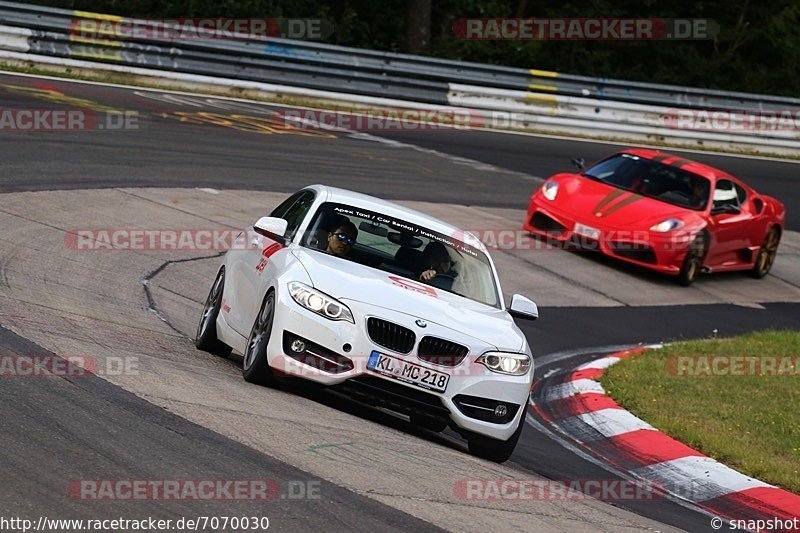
x=576, y=405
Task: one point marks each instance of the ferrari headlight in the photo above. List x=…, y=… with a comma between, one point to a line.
x=671, y=224
x=550, y=190
x=319, y=302
x=513, y=364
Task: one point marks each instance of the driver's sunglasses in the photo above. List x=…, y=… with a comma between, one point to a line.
x=345, y=239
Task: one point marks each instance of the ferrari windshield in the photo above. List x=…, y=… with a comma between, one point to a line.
x=653, y=179
x=403, y=248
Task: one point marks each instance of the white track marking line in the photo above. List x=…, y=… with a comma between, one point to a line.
x=601, y=364
x=701, y=478
x=611, y=422
x=572, y=388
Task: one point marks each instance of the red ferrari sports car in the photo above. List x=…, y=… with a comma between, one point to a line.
x=662, y=212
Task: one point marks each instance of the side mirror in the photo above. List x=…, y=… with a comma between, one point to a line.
x=522, y=307
x=726, y=209
x=272, y=227
x=580, y=163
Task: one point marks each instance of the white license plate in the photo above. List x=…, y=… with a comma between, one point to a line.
x=587, y=231
x=417, y=375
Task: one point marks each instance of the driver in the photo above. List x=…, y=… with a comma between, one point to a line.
x=699, y=194
x=437, y=266
x=342, y=238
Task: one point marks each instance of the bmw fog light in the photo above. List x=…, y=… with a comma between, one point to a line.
x=298, y=346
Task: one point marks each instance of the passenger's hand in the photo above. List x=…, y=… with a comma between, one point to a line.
x=428, y=275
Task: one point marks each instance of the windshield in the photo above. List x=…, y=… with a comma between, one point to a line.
x=653, y=179
x=402, y=248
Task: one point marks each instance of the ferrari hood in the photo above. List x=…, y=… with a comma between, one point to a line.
x=349, y=281
x=589, y=200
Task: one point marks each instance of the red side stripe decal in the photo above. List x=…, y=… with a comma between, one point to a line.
x=268, y=252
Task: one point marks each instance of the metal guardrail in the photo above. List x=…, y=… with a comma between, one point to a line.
x=562, y=102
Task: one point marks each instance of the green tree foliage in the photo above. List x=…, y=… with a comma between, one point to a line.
x=757, y=48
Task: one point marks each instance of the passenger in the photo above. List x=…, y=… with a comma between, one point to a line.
x=438, y=267
x=699, y=194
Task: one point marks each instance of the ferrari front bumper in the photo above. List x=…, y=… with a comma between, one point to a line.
x=662, y=252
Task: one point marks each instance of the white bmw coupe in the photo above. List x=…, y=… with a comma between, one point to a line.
x=383, y=303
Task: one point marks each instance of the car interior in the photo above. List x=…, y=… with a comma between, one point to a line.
x=402, y=252
x=654, y=180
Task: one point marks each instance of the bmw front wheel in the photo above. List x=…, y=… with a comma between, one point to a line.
x=255, y=367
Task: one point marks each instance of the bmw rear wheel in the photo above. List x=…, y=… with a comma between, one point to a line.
x=255, y=368
x=206, y=336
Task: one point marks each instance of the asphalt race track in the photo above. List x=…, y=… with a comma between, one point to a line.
x=53, y=436
x=187, y=415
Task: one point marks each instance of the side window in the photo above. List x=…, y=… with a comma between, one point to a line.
x=741, y=194
x=280, y=211
x=295, y=214
x=725, y=194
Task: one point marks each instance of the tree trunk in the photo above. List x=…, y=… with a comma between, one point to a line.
x=522, y=7
x=418, y=26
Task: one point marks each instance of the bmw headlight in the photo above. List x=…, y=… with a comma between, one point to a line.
x=671, y=224
x=513, y=364
x=550, y=190
x=319, y=302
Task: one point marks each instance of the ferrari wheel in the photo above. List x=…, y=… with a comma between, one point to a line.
x=255, y=367
x=767, y=253
x=693, y=263
x=206, y=336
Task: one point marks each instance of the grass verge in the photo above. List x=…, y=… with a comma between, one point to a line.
x=749, y=421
